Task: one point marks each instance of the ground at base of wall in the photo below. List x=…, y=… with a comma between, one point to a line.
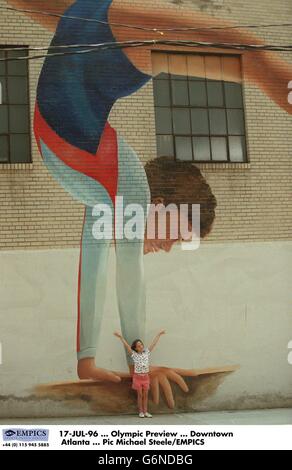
x=281, y=416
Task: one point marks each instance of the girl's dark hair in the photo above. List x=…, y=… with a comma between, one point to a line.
x=134, y=344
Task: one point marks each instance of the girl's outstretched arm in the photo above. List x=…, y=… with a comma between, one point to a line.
x=127, y=346
x=156, y=339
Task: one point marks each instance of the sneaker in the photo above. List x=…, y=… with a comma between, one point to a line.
x=147, y=415
x=141, y=415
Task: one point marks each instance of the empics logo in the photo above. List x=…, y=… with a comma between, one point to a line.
x=25, y=435
x=10, y=433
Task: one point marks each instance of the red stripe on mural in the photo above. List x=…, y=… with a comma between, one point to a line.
x=79, y=288
x=102, y=167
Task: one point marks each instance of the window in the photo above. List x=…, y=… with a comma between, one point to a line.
x=14, y=108
x=199, y=107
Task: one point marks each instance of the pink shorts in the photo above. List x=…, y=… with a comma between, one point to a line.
x=141, y=381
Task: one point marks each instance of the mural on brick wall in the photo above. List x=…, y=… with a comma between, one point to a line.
x=94, y=163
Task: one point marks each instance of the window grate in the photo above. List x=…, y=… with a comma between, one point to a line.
x=15, y=146
x=199, y=108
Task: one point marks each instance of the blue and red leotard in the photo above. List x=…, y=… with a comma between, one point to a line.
x=77, y=92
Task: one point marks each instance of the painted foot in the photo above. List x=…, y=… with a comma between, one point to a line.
x=87, y=370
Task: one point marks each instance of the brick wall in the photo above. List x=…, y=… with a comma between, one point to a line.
x=254, y=199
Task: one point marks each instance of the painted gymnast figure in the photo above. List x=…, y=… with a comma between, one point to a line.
x=73, y=103
x=90, y=161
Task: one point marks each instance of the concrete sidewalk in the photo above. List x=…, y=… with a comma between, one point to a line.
x=257, y=417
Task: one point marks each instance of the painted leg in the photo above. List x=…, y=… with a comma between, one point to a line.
x=92, y=292
x=131, y=291
x=93, y=265
x=130, y=254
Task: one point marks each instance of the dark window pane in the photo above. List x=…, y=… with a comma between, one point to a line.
x=2, y=63
x=202, y=148
x=19, y=148
x=183, y=148
x=215, y=93
x=180, y=94
x=237, y=149
x=3, y=119
x=219, y=148
x=163, y=121
x=165, y=146
x=17, y=90
x=162, y=76
x=181, y=121
x=235, y=121
x=4, y=149
x=200, y=121
x=3, y=93
x=17, y=67
x=161, y=92
x=198, y=94
x=218, y=121
x=19, y=120
x=178, y=77
x=233, y=94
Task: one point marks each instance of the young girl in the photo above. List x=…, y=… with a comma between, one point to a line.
x=141, y=379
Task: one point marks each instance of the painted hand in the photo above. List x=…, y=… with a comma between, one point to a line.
x=161, y=377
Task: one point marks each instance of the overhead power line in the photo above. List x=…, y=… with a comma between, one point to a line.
x=90, y=48
x=70, y=49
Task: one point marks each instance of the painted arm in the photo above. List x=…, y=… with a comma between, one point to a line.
x=54, y=6
x=127, y=346
x=257, y=65
x=156, y=339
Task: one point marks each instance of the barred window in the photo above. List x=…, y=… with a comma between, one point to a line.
x=199, y=107
x=14, y=107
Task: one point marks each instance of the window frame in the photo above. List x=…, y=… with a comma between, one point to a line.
x=190, y=107
x=28, y=105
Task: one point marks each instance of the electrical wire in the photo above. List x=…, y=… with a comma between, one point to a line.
x=89, y=48
x=135, y=43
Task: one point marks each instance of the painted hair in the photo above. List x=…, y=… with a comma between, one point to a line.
x=134, y=344
x=182, y=183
